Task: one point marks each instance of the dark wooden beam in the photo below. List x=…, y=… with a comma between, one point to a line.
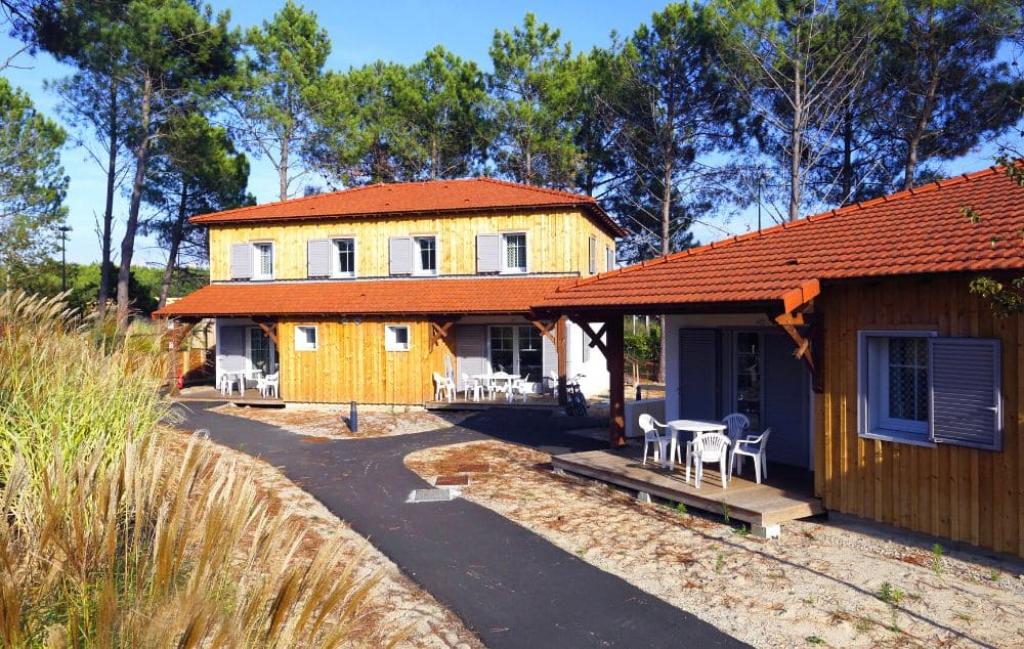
x=595, y=337
x=546, y=329
x=438, y=332
x=561, y=350
x=615, y=358
x=269, y=327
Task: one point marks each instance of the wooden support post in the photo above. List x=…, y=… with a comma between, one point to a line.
x=562, y=351
x=614, y=354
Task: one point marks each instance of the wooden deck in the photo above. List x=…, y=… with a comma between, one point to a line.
x=249, y=397
x=764, y=506
x=534, y=401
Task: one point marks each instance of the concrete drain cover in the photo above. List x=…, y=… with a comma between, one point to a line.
x=441, y=495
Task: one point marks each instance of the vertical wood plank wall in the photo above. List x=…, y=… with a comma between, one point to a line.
x=350, y=363
x=557, y=242
x=951, y=491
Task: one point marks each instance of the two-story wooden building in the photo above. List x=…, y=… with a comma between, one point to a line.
x=360, y=295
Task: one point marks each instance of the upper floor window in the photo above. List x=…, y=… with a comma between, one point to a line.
x=263, y=260
x=425, y=249
x=609, y=258
x=592, y=255
x=344, y=257
x=514, y=245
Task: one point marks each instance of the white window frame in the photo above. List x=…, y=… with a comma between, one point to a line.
x=514, y=270
x=391, y=343
x=872, y=368
x=609, y=258
x=301, y=342
x=336, y=262
x=417, y=262
x=257, y=271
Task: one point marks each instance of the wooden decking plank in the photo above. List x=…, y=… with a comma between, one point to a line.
x=757, y=504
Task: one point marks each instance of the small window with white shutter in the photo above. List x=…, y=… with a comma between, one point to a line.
x=918, y=388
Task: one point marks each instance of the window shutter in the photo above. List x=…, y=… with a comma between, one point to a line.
x=609, y=259
x=698, y=373
x=592, y=259
x=966, y=408
x=318, y=258
x=241, y=261
x=400, y=250
x=488, y=253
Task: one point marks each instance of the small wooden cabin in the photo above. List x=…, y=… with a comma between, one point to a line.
x=854, y=334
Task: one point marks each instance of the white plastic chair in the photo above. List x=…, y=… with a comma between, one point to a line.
x=709, y=448
x=737, y=426
x=652, y=437
x=752, y=447
x=270, y=383
x=517, y=388
x=471, y=387
x=443, y=388
x=227, y=382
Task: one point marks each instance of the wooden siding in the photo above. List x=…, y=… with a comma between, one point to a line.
x=557, y=242
x=350, y=364
x=956, y=492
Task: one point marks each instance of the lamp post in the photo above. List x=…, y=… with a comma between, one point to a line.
x=64, y=229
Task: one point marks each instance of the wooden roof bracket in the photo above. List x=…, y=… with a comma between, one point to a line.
x=796, y=304
x=269, y=327
x=595, y=337
x=438, y=332
x=546, y=329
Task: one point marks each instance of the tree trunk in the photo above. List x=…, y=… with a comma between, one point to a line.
x=666, y=248
x=434, y=162
x=132, y=225
x=177, y=231
x=108, y=209
x=282, y=169
x=920, y=125
x=847, y=171
x=796, y=145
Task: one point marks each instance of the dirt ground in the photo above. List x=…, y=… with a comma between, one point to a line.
x=821, y=584
x=395, y=602
x=332, y=421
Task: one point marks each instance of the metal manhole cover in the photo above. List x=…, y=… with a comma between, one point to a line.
x=443, y=494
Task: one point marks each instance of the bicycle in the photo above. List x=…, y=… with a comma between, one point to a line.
x=575, y=402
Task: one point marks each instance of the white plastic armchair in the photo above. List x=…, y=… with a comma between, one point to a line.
x=269, y=383
x=471, y=387
x=227, y=382
x=443, y=388
x=753, y=447
x=653, y=438
x=737, y=426
x=710, y=448
x=518, y=388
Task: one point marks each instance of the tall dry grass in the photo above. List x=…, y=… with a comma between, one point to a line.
x=112, y=536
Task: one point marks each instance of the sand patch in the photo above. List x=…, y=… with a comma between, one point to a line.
x=332, y=421
x=821, y=584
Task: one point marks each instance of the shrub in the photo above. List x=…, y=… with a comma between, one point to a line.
x=113, y=536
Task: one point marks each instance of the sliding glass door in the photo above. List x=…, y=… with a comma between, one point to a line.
x=516, y=349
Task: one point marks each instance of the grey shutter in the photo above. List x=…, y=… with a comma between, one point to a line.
x=231, y=348
x=966, y=408
x=698, y=373
x=241, y=261
x=609, y=259
x=592, y=259
x=549, y=357
x=318, y=258
x=400, y=252
x=488, y=253
x=470, y=350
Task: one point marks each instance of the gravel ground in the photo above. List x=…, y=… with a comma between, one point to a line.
x=823, y=584
x=332, y=421
x=395, y=603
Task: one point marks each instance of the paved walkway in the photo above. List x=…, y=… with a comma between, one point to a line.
x=509, y=585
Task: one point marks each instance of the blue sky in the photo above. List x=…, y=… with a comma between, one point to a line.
x=361, y=32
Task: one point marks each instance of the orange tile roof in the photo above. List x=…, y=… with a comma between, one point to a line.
x=430, y=197
x=397, y=297
x=922, y=230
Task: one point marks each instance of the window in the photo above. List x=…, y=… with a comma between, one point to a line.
x=517, y=350
x=592, y=255
x=609, y=258
x=305, y=338
x=263, y=260
x=515, y=252
x=344, y=257
x=894, y=385
x=396, y=338
x=426, y=255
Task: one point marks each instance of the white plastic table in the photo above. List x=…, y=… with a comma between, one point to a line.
x=496, y=376
x=692, y=426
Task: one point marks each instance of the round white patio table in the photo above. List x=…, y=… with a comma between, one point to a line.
x=694, y=427
x=494, y=377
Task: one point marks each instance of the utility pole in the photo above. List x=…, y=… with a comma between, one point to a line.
x=64, y=229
